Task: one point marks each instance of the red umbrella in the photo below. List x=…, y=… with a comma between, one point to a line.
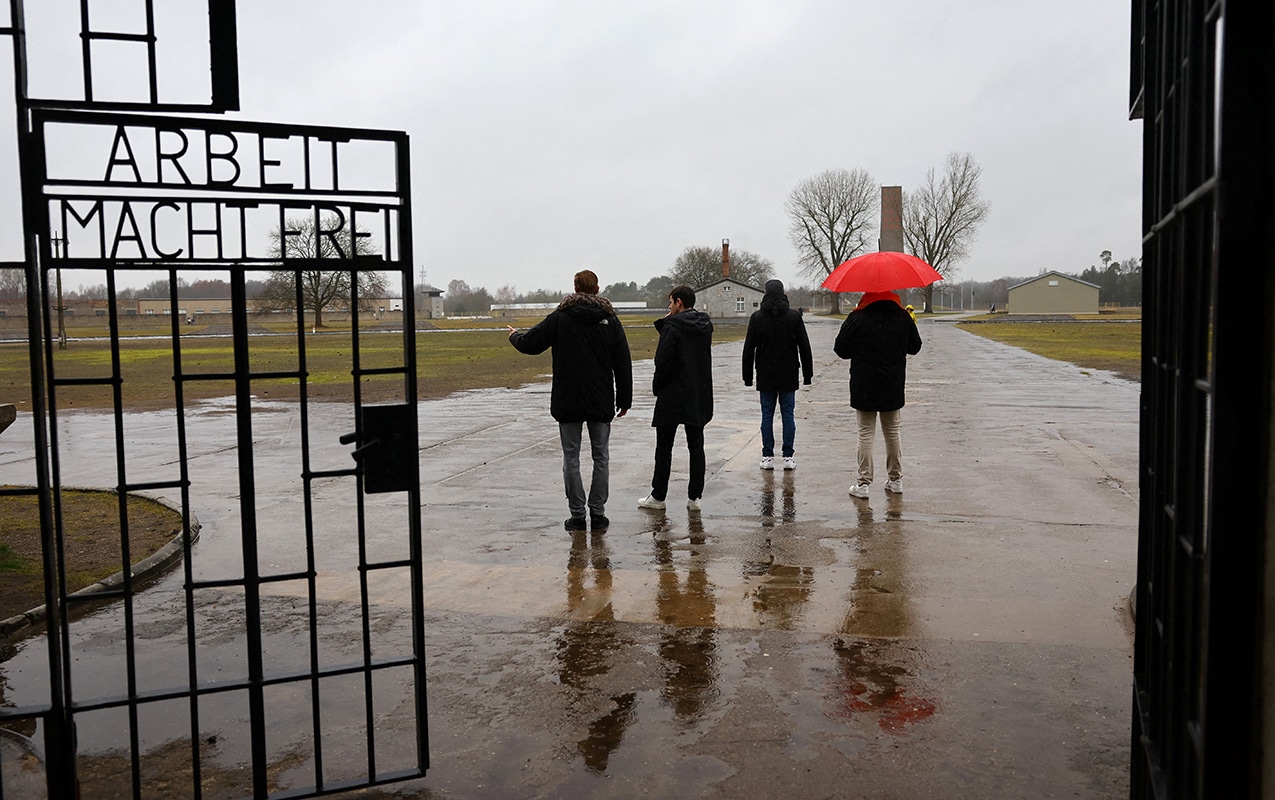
x=881, y=272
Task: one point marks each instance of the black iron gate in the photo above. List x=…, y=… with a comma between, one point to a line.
x=286, y=656
x=1204, y=86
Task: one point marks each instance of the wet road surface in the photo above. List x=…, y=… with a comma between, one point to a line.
x=967, y=639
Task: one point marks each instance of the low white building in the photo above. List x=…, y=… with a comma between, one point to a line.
x=531, y=309
x=727, y=298
x=1053, y=293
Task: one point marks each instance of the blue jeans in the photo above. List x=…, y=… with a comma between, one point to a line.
x=787, y=402
x=599, y=487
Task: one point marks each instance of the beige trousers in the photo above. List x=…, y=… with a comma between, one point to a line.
x=891, y=425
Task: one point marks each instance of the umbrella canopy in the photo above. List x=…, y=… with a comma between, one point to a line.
x=881, y=272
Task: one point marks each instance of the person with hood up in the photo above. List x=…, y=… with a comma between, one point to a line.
x=777, y=346
x=592, y=383
x=877, y=337
x=683, y=388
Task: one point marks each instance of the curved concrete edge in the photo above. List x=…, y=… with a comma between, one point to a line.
x=143, y=570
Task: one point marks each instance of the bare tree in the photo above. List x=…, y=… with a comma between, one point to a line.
x=833, y=216
x=13, y=284
x=942, y=217
x=699, y=266
x=462, y=299
x=655, y=291
x=331, y=239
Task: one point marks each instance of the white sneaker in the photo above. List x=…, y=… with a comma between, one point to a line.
x=894, y=486
x=651, y=502
x=767, y=462
x=693, y=504
x=860, y=490
x=790, y=462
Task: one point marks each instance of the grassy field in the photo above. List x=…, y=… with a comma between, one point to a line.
x=1112, y=346
x=448, y=361
x=91, y=547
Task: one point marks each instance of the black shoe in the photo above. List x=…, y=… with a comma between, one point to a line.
x=575, y=524
x=599, y=522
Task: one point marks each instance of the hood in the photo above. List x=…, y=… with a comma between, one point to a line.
x=875, y=297
x=586, y=307
x=776, y=305
x=691, y=322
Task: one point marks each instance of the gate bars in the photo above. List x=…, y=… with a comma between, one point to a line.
x=1203, y=83
x=142, y=241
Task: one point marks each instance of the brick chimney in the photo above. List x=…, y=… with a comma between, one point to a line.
x=725, y=258
x=891, y=219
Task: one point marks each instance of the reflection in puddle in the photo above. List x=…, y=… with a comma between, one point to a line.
x=606, y=732
x=869, y=681
x=779, y=602
x=779, y=592
x=766, y=502
x=590, y=644
x=687, y=605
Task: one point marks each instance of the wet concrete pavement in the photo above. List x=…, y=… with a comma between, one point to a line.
x=967, y=639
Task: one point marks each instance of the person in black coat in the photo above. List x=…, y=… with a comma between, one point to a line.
x=877, y=337
x=683, y=388
x=592, y=383
x=777, y=346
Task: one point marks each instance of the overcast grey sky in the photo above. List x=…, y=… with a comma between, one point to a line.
x=550, y=136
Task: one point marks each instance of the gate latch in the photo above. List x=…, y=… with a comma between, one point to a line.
x=388, y=450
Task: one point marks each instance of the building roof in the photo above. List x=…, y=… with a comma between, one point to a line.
x=1055, y=273
x=728, y=280
x=522, y=306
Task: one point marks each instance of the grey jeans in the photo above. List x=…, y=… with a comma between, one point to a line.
x=599, y=487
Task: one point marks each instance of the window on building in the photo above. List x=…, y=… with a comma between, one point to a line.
x=739, y=304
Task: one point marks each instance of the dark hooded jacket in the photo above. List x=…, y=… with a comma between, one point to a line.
x=777, y=344
x=592, y=369
x=683, y=383
x=878, y=339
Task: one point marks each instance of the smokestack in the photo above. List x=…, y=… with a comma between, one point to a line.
x=891, y=219
x=725, y=258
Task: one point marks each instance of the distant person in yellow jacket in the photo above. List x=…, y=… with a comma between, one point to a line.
x=911, y=313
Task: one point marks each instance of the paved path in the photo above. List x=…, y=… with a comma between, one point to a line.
x=969, y=639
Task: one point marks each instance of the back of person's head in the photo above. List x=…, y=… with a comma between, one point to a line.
x=774, y=286
x=586, y=282
x=684, y=293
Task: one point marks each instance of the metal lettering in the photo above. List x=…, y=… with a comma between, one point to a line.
x=136, y=237
x=155, y=232
x=131, y=161
x=94, y=211
x=192, y=231
x=270, y=162
x=161, y=156
x=330, y=233
x=226, y=156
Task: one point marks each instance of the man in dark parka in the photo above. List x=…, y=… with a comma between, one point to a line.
x=777, y=346
x=877, y=337
x=592, y=383
x=683, y=388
